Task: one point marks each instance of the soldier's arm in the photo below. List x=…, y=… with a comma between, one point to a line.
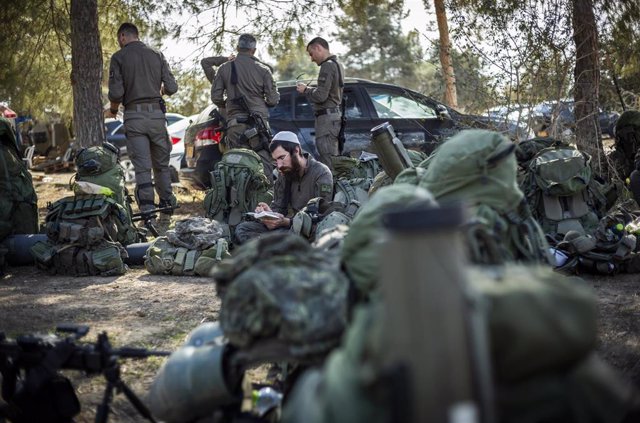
x=209, y=62
x=320, y=93
x=217, y=90
x=272, y=96
x=277, y=205
x=169, y=84
x=116, y=83
x=324, y=185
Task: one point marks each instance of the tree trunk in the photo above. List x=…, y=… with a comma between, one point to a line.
x=86, y=73
x=450, y=94
x=587, y=80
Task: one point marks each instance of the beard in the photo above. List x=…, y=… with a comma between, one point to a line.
x=293, y=169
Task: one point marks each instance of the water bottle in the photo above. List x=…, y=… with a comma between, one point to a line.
x=265, y=400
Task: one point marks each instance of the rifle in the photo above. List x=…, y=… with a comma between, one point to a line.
x=261, y=128
x=35, y=391
x=147, y=217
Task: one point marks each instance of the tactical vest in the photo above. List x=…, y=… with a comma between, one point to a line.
x=165, y=258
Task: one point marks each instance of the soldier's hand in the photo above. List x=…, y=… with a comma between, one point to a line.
x=276, y=223
x=262, y=207
x=109, y=114
x=301, y=87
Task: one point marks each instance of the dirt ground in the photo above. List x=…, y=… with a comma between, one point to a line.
x=157, y=312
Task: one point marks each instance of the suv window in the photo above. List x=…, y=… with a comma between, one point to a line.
x=396, y=105
x=282, y=110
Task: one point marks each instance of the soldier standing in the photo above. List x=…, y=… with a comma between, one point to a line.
x=245, y=87
x=138, y=78
x=326, y=98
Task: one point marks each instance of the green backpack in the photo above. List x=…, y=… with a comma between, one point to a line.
x=478, y=167
x=347, y=191
x=18, y=203
x=367, y=166
x=542, y=332
x=85, y=234
x=238, y=184
x=562, y=192
x=194, y=247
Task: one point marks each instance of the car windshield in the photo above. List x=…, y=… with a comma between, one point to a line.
x=395, y=105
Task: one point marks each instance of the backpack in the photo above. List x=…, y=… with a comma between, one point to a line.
x=347, y=191
x=85, y=234
x=194, y=247
x=479, y=168
x=238, y=184
x=18, y=202
x=563, y=193
x=367, y=166
x=542, y=330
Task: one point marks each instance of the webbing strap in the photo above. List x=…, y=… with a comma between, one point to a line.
x=190, y=261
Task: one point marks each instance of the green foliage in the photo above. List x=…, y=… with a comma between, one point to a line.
x=294, y=62
x=377, y=48
x=194, y=92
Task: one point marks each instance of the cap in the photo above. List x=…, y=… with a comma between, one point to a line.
x=286, y=136
x=247, y=41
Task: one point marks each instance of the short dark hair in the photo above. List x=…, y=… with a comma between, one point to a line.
x=289, y=147
x=128, y=28
x=319, y=40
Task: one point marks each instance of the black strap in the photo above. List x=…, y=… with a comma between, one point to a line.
x=343, y=107
x=288, y=181
x=234, y=74
x=145, y=185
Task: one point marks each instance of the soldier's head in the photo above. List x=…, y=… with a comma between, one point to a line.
x=318, y=50
x=126, y=33
x=286, y=152
x=246, y=44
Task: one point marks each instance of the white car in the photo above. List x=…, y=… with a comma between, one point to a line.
x=176, y=134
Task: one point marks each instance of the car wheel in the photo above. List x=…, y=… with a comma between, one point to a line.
x=129, y=172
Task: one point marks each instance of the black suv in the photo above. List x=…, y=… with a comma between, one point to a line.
x=419, y=121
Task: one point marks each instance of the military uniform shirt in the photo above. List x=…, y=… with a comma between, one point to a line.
x=316, y=181
x=136, y=73
x=254, y=82
x=327, y=94
x=209, y=62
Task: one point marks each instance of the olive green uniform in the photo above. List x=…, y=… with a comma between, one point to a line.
x=247, y=77
x=136, y=74
x=317, y=181
x=326, y=98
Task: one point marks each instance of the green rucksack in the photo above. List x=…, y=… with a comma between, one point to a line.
x=562, y=192
x=18, y=203
x=194, y=247
x=347, y=191
x=382, y=179
x=85, y=234
x=542, y=332
x=238, y=184
x=320, y=215
x=478, y=167
x=367, y=166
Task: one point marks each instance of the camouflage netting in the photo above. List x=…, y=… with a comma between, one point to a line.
x=195, y=233
x=279, y=288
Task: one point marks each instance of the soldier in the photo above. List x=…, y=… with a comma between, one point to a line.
x=326, y=99
x=138, y=78
x=300, y=179
x=245, y=87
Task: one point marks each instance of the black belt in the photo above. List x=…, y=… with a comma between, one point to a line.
x=143, y=107
x=330, y=110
